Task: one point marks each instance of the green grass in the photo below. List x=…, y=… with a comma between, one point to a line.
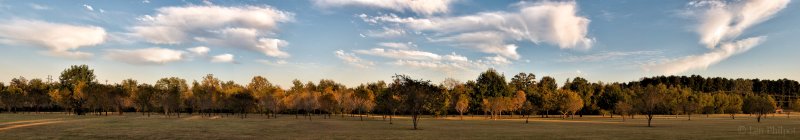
x=136, y=126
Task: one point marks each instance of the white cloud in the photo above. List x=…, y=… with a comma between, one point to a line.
x=246, y=27
x=199, y=50
x=246, y=38
x=208, y=2
x=146, y=56
x=426, y=60
x=39, y=7
x=487, y=42
x=554, y=23
x=387, y=33
x=398, y=45
x=88, y=7
x=722, y=21
x=703, y=61
x=60, y=39
x=353, y=60
x=422, y=7
x=146, y=1
x=223, y=58
x=400, y=54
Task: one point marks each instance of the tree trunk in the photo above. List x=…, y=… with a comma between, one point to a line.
x=414, y=118
x=690, y=116
x=461, y=114
x=649, y=119
x=390, y=117
x=526, y=118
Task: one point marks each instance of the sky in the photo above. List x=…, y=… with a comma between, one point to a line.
x=360, y=41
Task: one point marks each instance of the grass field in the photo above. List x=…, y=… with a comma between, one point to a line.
x=136, y=126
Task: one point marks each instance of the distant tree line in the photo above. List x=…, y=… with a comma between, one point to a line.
x=77, y=92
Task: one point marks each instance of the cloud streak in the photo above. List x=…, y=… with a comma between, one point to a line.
x=694, y=62
x=422, y=7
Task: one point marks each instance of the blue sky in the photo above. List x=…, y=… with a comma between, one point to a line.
x=356, y=41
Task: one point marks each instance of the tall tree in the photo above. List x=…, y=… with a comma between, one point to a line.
x=492, y=84
x=793, y=106
x=462, y=105
x=759, y=105
x=651, y=101
x=75, y=79
x=170, y=91
x=568, y=102
x=415, y=94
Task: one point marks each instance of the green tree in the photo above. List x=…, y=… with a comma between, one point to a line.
x=75, y=80
x=793, y=106
x=415, y=94
x=492, y=84
x=759, y=105
x=169, y=94
x=37, y=94
x=546, y=96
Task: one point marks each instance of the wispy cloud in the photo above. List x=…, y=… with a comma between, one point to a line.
x=606, y=56
x=39, y=7
x=722, y=21
x=353, y=60
x=703, y=61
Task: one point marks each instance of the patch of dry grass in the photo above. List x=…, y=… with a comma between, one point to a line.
x=136, y=126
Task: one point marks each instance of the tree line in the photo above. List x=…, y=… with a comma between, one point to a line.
x=77, y=92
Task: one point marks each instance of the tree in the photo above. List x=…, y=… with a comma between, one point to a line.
x=651, y=101
x=518, y=102
x=365, y=100
x=622, y=108
x=414, y=94
x=793, y=106
x=261, y=89
x=569, y=102
x=529, y=108
x=392, y=99
x=75, y=80
x=12, y=96
x=690, y=105
x=492, y=84
x=169, y=94
x=759, y=105
x=242, y=101
x=462, y=105
x=706, y=103
x=547, y=100
x=728, y=103
x=37, y=94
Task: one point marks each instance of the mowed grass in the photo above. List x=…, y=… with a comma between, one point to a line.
x=136, y=126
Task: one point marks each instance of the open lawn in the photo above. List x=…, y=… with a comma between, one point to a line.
x=136, y=126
